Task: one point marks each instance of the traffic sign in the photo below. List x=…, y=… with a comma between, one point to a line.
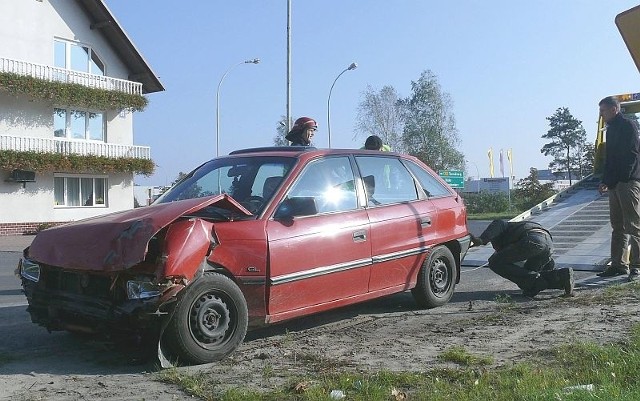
x=455, y=178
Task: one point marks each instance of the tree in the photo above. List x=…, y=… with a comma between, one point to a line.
x=279, y=139
x=430, y=131
x=529, y=191
x=379, y=113
x=567, y=138
x=585, y=157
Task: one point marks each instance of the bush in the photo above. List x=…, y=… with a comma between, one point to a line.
x=486, y=202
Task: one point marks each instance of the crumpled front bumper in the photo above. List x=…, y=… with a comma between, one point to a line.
x=81, y=302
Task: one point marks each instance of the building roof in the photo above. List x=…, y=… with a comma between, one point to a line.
x=103, y=20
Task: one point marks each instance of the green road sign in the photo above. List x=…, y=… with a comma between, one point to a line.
x=455, y=178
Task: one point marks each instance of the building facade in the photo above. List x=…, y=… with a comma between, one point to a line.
x=70, y=82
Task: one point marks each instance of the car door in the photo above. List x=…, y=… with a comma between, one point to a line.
x=319, y=260
x=402, y=221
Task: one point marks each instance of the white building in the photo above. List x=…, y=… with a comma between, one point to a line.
x=70, y=78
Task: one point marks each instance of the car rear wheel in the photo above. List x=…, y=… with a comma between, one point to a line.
x=210, y=321
x=436, y=279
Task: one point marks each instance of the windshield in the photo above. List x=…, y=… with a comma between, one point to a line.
x=252, y=181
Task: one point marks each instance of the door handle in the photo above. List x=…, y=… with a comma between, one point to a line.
x=425, y=222
x=359, y=236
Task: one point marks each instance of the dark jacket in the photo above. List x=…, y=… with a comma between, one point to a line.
x=503, y=233
x=296, y=139
x=622, y=162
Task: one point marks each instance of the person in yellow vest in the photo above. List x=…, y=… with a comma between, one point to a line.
x=374, y=142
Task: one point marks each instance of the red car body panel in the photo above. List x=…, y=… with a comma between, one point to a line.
x=410, y=236
x=242, y=251
x=188, y=242
x=115, y=241
x=317, y=259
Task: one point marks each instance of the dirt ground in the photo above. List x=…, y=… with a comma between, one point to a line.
x=389, y=333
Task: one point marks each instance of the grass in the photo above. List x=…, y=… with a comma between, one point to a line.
x=565, y=372
x=557, y=375
x=613, y=294
x=493, y=216
x=461, y=356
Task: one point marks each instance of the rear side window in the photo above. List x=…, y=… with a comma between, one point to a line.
x=432, y=187
x=386, y=180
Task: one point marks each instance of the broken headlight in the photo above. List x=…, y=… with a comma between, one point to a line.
x=29, y=270
x=142, y=289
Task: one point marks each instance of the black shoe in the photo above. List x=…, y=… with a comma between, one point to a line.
x=566, y=279
x=634, y=274
x=612, y=271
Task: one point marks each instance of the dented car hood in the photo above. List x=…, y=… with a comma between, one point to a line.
x=116, y=241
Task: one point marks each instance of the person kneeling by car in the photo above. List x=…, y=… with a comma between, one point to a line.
x=528, y=242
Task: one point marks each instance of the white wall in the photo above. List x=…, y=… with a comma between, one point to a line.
x=24, y=116
x=35, y=202
x=27, y=30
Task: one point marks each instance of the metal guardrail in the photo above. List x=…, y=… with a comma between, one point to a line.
x=65, y=146
x=565, y=193
x=56, y=74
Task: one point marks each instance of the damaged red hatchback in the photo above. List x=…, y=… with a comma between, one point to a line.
x=256, y=237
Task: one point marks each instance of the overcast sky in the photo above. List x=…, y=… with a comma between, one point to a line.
x=506, y=64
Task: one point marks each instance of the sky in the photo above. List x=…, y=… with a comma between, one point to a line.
x=507, y=65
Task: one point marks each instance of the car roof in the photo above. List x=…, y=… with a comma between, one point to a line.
x=308, y=151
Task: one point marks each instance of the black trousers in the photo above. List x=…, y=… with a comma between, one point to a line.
x=534, y=249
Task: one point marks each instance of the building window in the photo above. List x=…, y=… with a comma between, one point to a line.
x=78, y=124
x=77, y=57
x=80, y=191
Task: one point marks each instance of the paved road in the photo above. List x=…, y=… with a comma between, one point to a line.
x=10, y=252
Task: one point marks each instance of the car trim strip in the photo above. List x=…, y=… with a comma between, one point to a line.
x=252, y=280
x=401, y=254
x=320, y=271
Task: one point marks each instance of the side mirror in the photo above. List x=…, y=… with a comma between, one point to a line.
x=298, y=206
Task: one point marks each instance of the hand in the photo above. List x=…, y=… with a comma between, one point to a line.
x=475, y=241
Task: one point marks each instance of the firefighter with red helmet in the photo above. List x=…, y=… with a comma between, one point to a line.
x=303, y=130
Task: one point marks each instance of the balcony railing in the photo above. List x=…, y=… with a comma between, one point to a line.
x=65, y=146
x=55, y=74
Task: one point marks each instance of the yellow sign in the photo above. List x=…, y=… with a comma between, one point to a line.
x=628, y=22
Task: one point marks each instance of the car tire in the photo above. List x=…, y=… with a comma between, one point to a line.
x=436, y=279
x=210, y=320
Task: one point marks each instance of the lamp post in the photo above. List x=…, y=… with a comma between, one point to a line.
x=253, y=61
x=351, y=66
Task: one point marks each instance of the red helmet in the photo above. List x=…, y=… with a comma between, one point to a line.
x=303, y=123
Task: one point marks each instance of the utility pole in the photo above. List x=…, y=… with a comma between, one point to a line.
x=288, y=122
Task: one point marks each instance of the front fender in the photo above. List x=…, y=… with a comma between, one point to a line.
x=186, y=244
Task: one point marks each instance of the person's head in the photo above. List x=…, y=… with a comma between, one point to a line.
x=373, y=143
x=303, y=128
x=609, y=108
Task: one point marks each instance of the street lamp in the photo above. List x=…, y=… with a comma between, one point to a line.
x=253, y=61
x=478, y=173
x=351, y=66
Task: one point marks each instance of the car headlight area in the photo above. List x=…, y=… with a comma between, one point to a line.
x=29, y=270
x=143, y=289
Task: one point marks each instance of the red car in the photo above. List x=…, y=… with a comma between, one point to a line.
x=256, y=237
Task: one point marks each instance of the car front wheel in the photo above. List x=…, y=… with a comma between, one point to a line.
x=436, y=279
x=210, y=320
